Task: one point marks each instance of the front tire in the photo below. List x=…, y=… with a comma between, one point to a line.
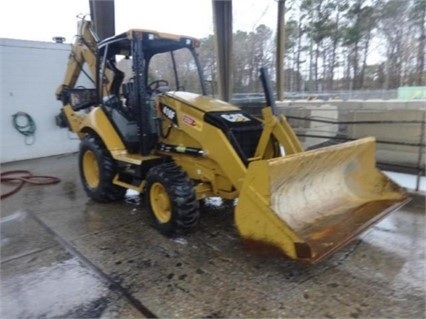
x=171, y=199
x=97, y=171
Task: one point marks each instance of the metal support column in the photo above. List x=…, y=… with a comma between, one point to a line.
x=280, y=49
x=222, y=15
x=103, y=17
x=420, y=167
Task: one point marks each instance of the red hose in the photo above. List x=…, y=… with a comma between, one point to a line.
x=22, y=177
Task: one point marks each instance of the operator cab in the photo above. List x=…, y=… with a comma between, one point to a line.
x=143, y=64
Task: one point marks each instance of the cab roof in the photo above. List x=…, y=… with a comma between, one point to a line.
x=153, y=42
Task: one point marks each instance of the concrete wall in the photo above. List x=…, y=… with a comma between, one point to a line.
x=371, y=110
x=358, y=104
x=30, y=72
x=402, y=132
x=301, y=127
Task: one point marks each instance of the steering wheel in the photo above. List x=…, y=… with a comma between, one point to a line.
x=155, y=85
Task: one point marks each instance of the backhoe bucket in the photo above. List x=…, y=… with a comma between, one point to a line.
x=309, y=204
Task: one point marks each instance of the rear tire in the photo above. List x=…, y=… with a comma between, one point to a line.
x=171, y=200
x=97, y=171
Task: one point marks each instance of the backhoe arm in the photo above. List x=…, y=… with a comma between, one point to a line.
x=83, y=51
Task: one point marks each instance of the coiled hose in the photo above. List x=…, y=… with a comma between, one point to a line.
x=26, y=128
x=20, y=177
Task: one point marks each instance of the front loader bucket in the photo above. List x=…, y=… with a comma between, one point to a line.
x=309, y=204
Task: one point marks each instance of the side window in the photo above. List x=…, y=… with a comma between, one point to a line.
x=125, y=65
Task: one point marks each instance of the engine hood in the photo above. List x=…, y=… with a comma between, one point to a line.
x=202, y=102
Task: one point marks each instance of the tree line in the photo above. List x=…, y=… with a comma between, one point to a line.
x=333, y=45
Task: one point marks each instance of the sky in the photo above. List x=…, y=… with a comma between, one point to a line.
x=41, y=20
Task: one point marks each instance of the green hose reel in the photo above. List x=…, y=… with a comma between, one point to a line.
x=25, y=125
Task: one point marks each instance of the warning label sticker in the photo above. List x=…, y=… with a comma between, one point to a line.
x=235, y=117
x=188, y=120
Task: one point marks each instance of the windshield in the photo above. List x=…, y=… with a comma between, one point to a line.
x=162, y=67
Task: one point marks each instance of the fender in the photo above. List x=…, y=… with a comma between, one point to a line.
x=98, y=122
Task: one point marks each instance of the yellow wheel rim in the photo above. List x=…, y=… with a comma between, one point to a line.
x=160, y=203
x=91, y=169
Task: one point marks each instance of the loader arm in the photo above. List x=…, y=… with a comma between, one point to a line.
x=281, y=130
x=274, y=124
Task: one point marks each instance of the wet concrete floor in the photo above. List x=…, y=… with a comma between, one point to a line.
x=63, y=255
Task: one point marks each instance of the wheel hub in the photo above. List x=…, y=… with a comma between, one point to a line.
x=91, y=169
x=160, y=203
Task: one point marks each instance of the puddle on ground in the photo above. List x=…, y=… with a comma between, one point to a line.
x=59, y=290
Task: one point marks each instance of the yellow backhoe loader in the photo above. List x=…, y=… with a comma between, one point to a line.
x=148, y=127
